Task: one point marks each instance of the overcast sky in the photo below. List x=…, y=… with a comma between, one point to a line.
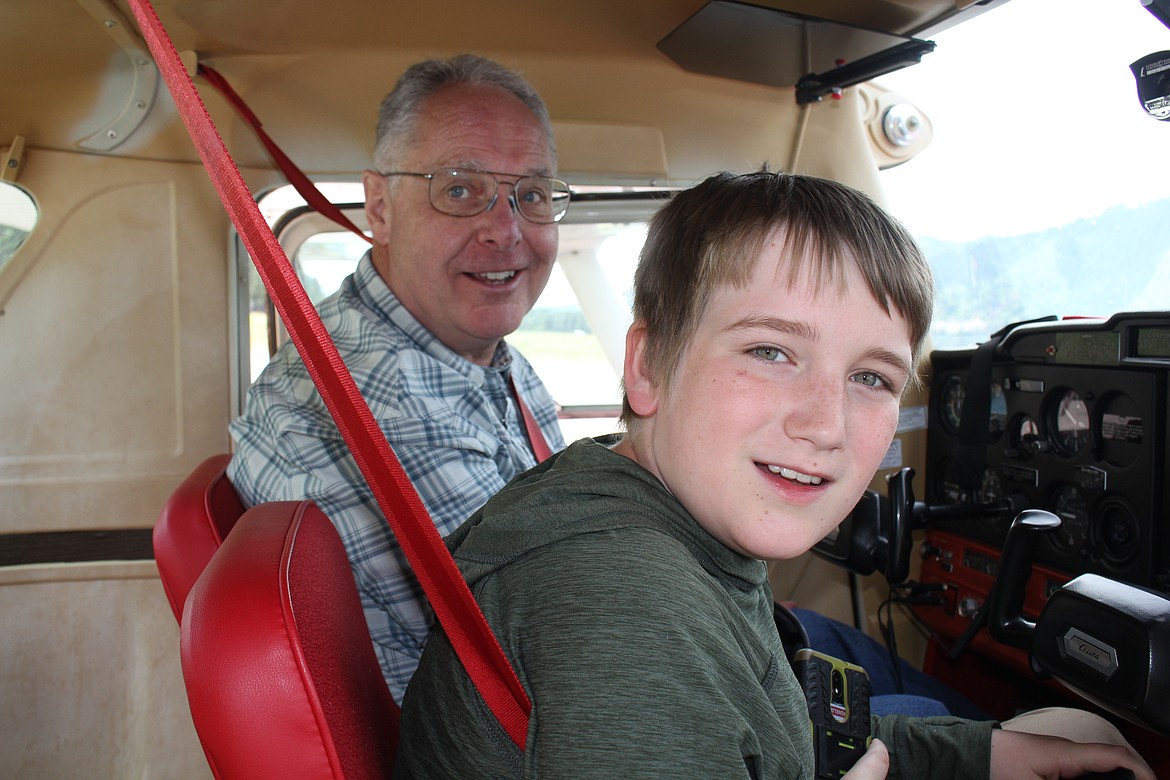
x=1044, y=87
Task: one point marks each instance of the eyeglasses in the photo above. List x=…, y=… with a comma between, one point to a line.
x=463, y=192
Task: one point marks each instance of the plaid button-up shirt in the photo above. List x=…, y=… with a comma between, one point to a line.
x=453, y=425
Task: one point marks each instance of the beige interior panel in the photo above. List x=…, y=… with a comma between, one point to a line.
x=114, y=342
x=96, y=690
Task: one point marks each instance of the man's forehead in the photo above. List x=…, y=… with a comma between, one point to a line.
x=481, y=127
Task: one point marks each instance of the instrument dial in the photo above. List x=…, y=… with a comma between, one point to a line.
x=997, y=419
x=1068, y=423
x=1026, y=439
x=952, y=403
x=1070, y=506
x=951, y=408
x=991, y=491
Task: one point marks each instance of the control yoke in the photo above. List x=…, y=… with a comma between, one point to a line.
x=1106, y=640
x=876, y=536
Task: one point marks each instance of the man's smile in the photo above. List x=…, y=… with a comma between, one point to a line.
x=495, y=277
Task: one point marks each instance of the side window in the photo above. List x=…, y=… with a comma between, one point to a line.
x=325, y=259
x=18, y=215
x=575, y=334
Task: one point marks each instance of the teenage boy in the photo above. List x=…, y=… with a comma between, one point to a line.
x=778, y=320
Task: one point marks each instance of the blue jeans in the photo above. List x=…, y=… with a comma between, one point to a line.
x=920, y=695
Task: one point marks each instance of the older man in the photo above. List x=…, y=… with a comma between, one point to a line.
x=463, y=209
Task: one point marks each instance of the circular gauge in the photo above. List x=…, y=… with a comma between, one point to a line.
x=991, y=491
x=1068, y=423
x=997, y=418
x=1069, y=505
x=1026, y=440
x=1118, y=531
x=951, y=406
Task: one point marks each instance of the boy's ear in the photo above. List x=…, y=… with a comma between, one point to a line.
x=377, y=202
x=641, y=389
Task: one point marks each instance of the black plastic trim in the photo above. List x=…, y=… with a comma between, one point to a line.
x=130, y=544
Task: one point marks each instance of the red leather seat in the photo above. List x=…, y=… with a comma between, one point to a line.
x=191, y=527
x=280, y=671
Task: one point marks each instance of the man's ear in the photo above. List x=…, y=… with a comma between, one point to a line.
x=377, y=190
x=641, y=390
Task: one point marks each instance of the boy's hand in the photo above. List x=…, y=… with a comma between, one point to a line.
x=1017, y=755
x=873, y=765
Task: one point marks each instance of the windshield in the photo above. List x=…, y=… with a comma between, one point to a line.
x=1046, y=187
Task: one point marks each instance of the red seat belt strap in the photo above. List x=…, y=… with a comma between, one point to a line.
x=445, y=587
x=536, y=438
x=296, y=177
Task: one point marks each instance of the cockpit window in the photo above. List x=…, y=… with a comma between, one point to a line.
x=18, y=215
x=1046, y=187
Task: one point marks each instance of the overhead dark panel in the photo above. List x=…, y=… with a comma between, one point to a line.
x=765, y=46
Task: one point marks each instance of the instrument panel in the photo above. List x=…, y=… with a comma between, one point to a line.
x=1075, y=423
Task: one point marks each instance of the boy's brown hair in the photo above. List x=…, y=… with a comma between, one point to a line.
x=712, y=234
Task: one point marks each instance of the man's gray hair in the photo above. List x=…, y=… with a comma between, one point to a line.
x=398, y=115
